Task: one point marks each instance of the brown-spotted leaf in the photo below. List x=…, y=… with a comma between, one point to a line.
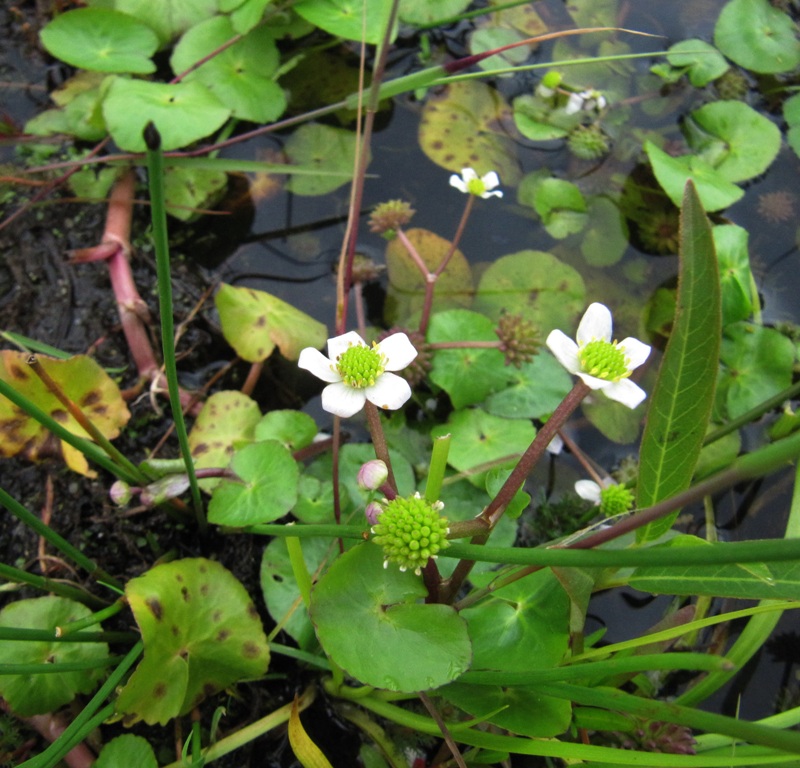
x=82, y=380
x=464, y=126
x=255, y=322
x=406, y=292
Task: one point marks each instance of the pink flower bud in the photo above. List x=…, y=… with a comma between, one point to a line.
x=372, y=512
x=120, y=493
x=372, y=475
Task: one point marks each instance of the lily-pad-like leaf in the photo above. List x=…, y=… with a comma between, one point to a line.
x=401, y=644
x=750, y=140
x=101, y=39
x=533, y=284
x=266, y=490
x=345, y=18
x=182, y=113
x=226, y=422
x=672, y=173
x=739, y=293
x=406, y=292
x=535, y=389
x=481, y=441
x=82, y=380
x=126, y=750
x=561, y=207
x=279, y=586
x=292, y=428
x=241, y=76
x=757, y=36
x=186, y=189
x=36, y=694
x=462, y=127
x=255, y=322
x=757, y=364
x=169, y=18
x=329, y=150
x=791, y=113
x=201, y=633
x=606, y=237
x=702, y=62
x=467, y=375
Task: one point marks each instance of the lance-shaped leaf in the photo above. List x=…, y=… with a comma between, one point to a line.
x=680, y=405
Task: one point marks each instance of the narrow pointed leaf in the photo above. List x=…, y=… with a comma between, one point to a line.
x=680, y=405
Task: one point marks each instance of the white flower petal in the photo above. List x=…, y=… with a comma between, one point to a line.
x=574, y=104
x=592, y=381
x=457, y=182
x=589, y=490
x=565, y=350
x=496, y=193
x=341, y=400
x=469, y=174
x=625, y=392
x=595, y=324
x=339, y=344
x=389, y=391
x=314, y=361
x=635, y=351
x=491, y=180
x=399, y=351
x=556, y=445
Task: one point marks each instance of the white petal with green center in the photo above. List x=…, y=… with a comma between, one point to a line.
x=398, y=350
x=625, y=392
x=635, y=351
x=341, y=400
x=389, y=392
x=339, y=344
x=315, y=362
x=564, y=349
x=595, y=324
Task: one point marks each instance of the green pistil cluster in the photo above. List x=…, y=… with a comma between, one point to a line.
x=615, y=500
x=604, y=360
x=476, y=187
x=359, y=366
x=411, y=531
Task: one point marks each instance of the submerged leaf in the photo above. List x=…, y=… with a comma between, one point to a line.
x=328, y=150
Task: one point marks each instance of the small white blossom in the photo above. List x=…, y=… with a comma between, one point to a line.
x=601, y=363
x=587, y=101
x=471, y=184
x=356, y=372
x=588, y=490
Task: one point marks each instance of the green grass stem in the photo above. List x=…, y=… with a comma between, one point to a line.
x=18, y=576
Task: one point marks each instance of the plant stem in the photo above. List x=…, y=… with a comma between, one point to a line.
x=379, y=440
x=9, y=573
x=158, y=211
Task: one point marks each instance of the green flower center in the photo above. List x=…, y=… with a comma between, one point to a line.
x=476, y=187
x=615, y=500
x=359, y=366
x=411, y=531
x=603, y=360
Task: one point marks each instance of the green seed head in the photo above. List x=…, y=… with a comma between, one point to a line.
x=359, y=366
x=615, y=500
x=411, y=531
x=604, y=360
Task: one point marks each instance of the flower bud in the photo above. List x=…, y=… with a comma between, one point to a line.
x=373, y=511
x=164, y=489
x=120, y=493
x=372, y=475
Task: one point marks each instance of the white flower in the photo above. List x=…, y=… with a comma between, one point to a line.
x=470, y=183
x=356, y=372
x=601, y=363
x=588, y=490
x=612, y=498
x=574, y=103
x=588, y=101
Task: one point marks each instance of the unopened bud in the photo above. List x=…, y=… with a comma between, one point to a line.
x=164, y=489
x=372, y=475
x=373, y=511
x=120, y=493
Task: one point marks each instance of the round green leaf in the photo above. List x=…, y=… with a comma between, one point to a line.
x=461, y=128
x=672, y=173
x=241, y=75
x=126, y=750
x=182, y=113
x=186, y=189
x=255, y=322
x=750, y=140
x=401, y=644
x=480, y=439
x=561, y=207
x=757, y=365
x=292, y=428
x=102, y=40
x=327, y=149
x=535, y=285
x=535, y=389
x=201, y=633
x=606, y=238
x=536, y=120
x=703, y=62
x=467, y=375
x=345, y=18
x=34, y=695
x=169, y=18
x=757, y=36
x=422, y=12
x=736, y=279
x=266, y=490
